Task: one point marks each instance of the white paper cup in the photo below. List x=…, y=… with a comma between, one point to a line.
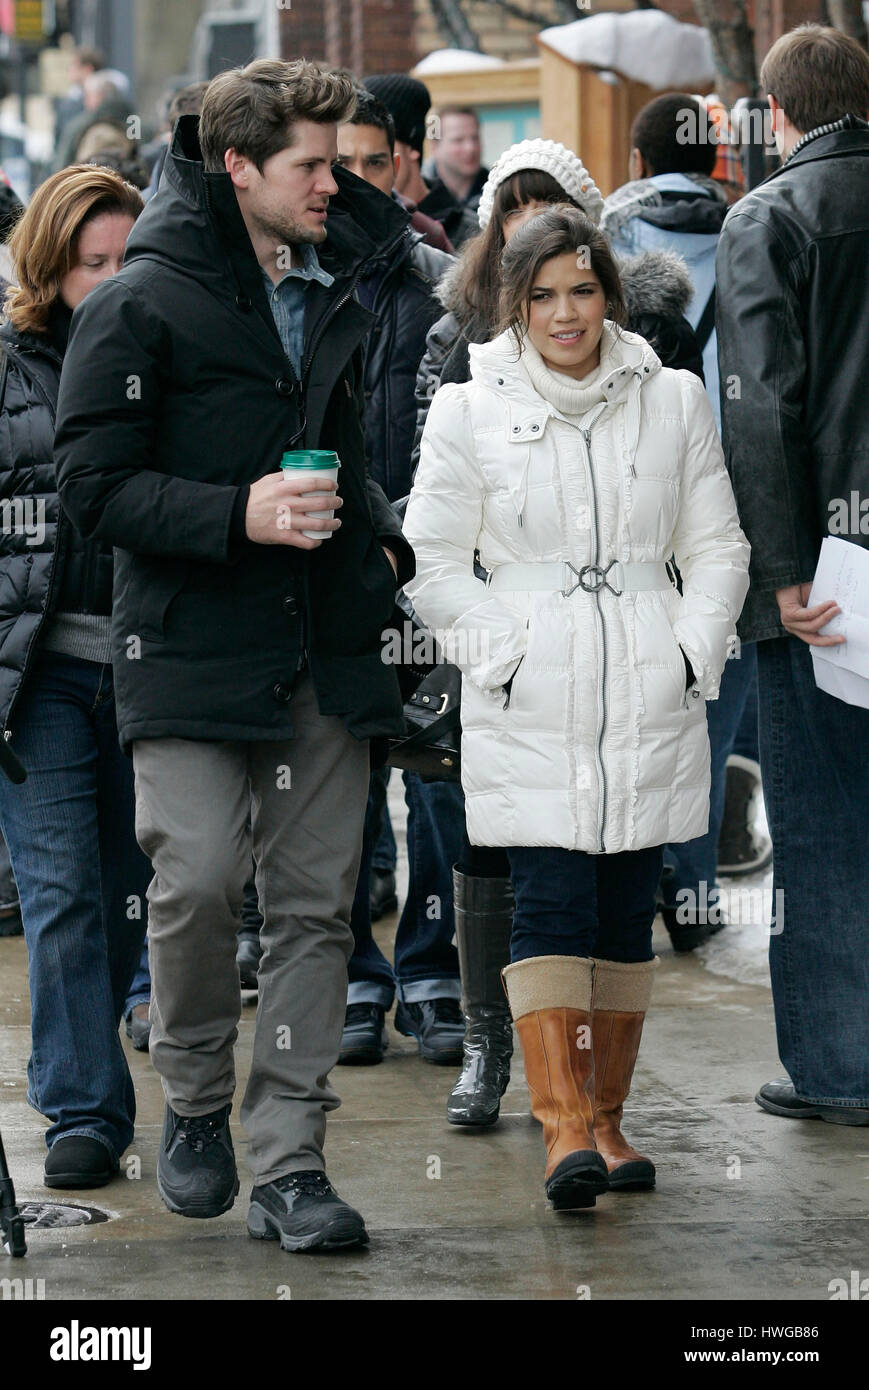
x=315, y=475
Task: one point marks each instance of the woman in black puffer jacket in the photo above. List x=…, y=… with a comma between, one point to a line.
x=81, y=876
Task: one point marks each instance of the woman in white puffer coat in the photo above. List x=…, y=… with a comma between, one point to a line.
x=578, y=466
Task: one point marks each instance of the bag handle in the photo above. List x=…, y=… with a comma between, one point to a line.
x=429, y=732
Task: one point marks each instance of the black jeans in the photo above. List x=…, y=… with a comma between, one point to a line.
x=569, y=903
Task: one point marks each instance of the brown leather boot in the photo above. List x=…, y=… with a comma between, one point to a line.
x=550, y=999
x=621, y=997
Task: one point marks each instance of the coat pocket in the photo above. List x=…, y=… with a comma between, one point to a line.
x=660, y=667
x=153, y=586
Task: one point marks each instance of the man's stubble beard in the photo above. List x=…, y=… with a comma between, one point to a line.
x=290, y=233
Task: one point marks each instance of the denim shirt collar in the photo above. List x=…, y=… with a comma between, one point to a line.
x=310, y=269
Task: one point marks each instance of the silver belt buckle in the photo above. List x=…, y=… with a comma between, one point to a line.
x=566, y=593
x=599, y=578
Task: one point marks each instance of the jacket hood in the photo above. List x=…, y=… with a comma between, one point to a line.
x=692, y=204
x=655, y=282
x=194, y=222
x=448, y=292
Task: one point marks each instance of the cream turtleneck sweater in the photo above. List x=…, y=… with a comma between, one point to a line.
x=568, y=395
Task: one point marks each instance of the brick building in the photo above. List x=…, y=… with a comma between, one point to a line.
x=393, y=35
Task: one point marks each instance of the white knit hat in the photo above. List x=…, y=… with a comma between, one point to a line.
x=553, y=158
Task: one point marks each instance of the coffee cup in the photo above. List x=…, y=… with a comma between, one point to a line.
x=317, y=463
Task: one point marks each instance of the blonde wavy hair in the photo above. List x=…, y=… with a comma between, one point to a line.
x=44, y=244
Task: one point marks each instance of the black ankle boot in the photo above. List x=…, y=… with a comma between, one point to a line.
x=484, y=921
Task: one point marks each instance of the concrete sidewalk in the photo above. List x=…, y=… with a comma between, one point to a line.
x=747, y=1206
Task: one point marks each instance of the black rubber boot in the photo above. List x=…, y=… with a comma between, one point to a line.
x=484, y=921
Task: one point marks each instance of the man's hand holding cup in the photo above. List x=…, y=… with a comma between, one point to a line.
x=295, y=506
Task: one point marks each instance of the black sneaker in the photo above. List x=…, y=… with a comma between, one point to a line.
x=247, y=957
x=741, y=849
x=364, y=1039
x=196, y=1173
x=438, y=1026
x=686, y=936
x=382, y=895
x=10, y=923
x=79, y=1161
x=304, y=1212
x=138, y=1028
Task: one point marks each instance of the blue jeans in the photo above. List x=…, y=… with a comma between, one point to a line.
x=140, y=989
x=83, y=881
x=814, y=754
x=691, y=867
x=8, y=890
x=385, y=854
x=569, y=903
x=426, y=962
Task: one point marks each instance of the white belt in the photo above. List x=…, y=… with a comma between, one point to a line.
x=561, y=575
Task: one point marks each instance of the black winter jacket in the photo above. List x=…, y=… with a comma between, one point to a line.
x=45, y=565
x=793, y=341
x=176, y=396
x=657, y=289
x=406, y=308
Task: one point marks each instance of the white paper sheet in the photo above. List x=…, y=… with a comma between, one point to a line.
x=843, y=575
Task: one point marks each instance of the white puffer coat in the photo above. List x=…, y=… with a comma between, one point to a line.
x=599, y=747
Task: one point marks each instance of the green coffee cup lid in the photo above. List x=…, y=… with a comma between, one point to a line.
x=310, y=458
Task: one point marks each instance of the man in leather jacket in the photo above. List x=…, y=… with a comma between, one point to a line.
x=793, y=338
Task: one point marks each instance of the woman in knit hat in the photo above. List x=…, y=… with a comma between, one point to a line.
x=526, y=180
x=574, y=465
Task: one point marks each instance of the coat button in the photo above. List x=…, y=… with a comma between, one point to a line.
x=500, y=381
x=282, y=692
x=291, y=605
x=283, y=387
x=244, y=303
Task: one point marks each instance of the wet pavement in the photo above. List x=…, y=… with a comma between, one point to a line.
x=747, y=1206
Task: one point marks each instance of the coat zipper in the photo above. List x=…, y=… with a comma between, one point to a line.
x=586, y=434
x=330, y=313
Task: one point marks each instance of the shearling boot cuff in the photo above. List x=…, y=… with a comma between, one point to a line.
x=624, y=988
x=548, y=982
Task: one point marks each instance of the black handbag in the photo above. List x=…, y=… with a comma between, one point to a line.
x=431, y=689
x=432, y=747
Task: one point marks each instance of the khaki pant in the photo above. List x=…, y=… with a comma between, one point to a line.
x=306, y=797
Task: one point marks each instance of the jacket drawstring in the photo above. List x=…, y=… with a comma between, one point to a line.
x=518, y=486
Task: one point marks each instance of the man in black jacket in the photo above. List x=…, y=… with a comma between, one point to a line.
x=247, y=652
x=408, y=102
x=793, y=341
x=398, y=284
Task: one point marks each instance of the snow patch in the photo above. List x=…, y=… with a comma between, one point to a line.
x=645, y=45
x=741, y=949
x=454, y=60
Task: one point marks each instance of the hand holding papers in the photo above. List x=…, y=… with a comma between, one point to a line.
x=843, y=575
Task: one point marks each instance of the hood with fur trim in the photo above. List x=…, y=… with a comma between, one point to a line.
x=654, y=282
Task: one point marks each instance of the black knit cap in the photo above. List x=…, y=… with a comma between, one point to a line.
x=408, y=101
